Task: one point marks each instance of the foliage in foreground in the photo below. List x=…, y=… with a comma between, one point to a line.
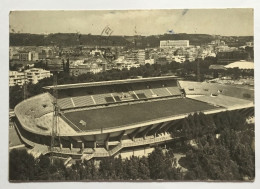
x=158, y=165
x=230, y=156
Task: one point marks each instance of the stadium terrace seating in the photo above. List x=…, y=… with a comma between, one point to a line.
x=174, y=90
x=43, y=123
x=88, y=96
x=146, y=92
x=198, y=88
x=37, y=106
x=123, y=96
x=117, y=99
x=141, y=95
x=83, y=101
x=109, y=99
x=134, y=96
x=65, y=103
x=143, y=88
x=160, y=92
x=100, y=98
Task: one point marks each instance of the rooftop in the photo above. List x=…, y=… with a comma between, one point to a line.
x=242, y=64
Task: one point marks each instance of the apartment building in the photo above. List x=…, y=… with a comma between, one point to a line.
x=33, y=75
x=16, y=78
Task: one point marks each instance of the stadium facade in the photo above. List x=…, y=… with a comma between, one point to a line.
x=100, y=119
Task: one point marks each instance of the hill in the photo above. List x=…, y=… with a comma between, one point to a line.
x=72, y=39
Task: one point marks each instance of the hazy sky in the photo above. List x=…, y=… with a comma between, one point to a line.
x=208, y=21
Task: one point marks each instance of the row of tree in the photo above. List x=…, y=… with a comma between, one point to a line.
x=73, y=39
x=158, y=165
x=222, y=150
x=229, y=155
x=199, y=124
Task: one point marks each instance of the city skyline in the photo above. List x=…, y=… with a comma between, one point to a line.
x=236, y=22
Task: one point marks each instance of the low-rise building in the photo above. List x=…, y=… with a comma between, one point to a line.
x=174, y=43
x=33, y=75
x=16, y=78
x=85, y=68
x=179, y=59
x=141, y=57
x=250, y=44
x=25, y=56
x=149, y=61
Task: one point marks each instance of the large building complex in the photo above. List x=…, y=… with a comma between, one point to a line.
x=174, y=43
x=16, y=78
x=101, y=119
x=33, y=75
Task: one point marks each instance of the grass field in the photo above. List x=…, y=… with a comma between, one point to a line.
x=135, y=113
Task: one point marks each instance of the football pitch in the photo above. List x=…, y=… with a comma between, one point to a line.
x=134, y=113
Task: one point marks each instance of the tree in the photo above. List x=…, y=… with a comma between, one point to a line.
x=119, y=168
x=157, y=164
x=42, y=168
x=133, y=168
x=15, y=95
x=107, y=168
x=143, y=169
x=21, y=165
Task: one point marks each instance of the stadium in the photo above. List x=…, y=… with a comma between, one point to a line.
x=101, y=119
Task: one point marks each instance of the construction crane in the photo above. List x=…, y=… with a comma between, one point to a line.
x=55, y=68
x=198, y=57
x=25, y=94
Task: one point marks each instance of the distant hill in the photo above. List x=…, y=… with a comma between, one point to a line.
x=72, y=39
x=64, y=39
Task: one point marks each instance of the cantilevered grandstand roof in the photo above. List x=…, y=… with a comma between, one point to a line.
x=91, y=84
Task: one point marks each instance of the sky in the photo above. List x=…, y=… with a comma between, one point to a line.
x=227, y=22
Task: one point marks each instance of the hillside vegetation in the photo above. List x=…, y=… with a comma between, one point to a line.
x=72, y=39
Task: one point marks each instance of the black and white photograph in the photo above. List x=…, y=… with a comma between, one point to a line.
x=148, y=95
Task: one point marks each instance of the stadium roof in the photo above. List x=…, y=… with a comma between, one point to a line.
x=101, y=83
x=242, y=65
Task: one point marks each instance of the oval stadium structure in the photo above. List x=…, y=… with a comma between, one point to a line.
x=100, y=119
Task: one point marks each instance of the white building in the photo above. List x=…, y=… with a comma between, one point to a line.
x=96, y=52
x=25, y=56
x=141, y=57
x=85, y=68
x=16, y=78
x=122, y=63
x=174, y=43
x=250, y=44
x=35, y=74
x=149, y=61
x=179, y=59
